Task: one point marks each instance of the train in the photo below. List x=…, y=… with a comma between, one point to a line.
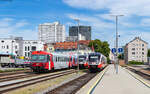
x=42, y=61
x=83, y=61
x=96, y=62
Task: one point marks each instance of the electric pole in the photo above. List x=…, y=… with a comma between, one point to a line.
x=117, y=62
x=78, y=22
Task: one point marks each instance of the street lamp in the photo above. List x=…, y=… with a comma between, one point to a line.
x=78, y=21
x=116, y=16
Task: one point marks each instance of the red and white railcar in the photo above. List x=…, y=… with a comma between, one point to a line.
x=42, y=61
x=96, y=61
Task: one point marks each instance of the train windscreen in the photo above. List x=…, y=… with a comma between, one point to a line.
x=38, y=58
x=94, y=58
x=82, y=58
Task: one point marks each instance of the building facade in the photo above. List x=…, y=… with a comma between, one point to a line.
x=49, y=47
x=19, y=47
x=136, y=50
x=51, y=32
x=71, y=46
x=84, y=32
x=11, y=46
x=32, y=45
x=72, y=38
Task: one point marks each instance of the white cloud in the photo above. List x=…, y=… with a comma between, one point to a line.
x=105, y=31
x=21, y=24
x=126, y=7
x=9, y=26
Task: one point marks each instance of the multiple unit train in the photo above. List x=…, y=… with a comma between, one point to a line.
x=43, y=61
x=97, y=61
x=83, y=61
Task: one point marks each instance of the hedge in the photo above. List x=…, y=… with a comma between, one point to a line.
x=136, y=62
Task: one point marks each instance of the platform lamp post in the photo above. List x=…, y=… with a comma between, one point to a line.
x=78, y=22
x=117, y=62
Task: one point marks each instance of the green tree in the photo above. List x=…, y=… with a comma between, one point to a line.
x=99, y=46
x=121, y=56
x=148, y=54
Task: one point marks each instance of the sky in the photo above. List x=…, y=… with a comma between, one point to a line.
x=22, y=17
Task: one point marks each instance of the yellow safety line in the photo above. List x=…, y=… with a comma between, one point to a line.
x=91, y=89
x=145, y=83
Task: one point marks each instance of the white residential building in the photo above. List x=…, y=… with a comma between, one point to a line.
x=11, y=46
x=136, y=50
x=32, y=45
x=51, y=32
x=18, y=46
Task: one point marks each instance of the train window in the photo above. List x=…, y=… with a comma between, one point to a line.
x=39, y=58
x=94, y=58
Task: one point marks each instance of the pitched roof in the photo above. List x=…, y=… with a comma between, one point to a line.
x=135, y=39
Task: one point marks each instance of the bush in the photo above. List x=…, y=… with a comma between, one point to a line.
x=136, y=63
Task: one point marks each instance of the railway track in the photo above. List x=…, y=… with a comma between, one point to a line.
x=137, y=71
x=16, y=85
x=73, y=86
x=18, y=76
x=15, y=72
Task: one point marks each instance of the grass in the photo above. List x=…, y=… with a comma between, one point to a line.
x=43, y=85
x=11, y=70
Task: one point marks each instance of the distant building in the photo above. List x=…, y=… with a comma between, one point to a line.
x=84, y=32
x=18, y=46
x=70, y=46
x=49, y=47
x=11, y=46
x=72, y=38
x=51, y=32
x=136, y=50
x=32, y=45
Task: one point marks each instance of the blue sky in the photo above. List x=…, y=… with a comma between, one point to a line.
x=21, y=17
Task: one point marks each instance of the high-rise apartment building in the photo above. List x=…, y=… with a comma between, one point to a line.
x=52, y=32
x=136, y=50
x=84, y=32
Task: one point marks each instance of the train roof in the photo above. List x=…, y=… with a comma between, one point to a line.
x=95, y=53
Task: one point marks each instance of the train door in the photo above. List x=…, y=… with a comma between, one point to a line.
x=57, y=62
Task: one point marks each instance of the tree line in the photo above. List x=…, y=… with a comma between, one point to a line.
x=100, y=46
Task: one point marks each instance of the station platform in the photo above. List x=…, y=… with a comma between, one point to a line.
x=108, y=82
